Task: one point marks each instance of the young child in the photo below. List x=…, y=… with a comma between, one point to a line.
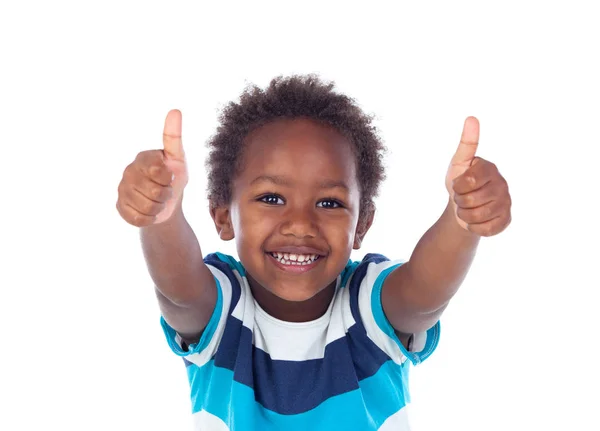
x=294, y=335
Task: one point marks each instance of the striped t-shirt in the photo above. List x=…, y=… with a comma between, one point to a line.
x=346, y=370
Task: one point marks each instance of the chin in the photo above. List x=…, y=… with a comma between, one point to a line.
x=293, y=295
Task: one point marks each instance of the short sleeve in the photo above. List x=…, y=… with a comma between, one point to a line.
x=378, y=327
x=200, y=353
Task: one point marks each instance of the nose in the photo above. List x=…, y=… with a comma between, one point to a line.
x=300, y=222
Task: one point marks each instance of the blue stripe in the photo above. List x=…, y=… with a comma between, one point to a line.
x=385, y=325
x=366, y=408
x=348, y=271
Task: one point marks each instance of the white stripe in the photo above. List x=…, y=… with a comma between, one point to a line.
x=292, y=341
x=204, y=421
x=397, y=422
x=244, y=309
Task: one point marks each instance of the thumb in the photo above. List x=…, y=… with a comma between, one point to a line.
x=469, y=140
x=173, y=148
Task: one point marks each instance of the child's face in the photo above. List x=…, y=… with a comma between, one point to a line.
x=297, y=194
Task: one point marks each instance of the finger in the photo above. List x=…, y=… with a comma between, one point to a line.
x=134, y=217
x=172, y=144
x=469, y=141
x=153, y=191
x=151, y=164
x=476, y=198
x=481, y=214
x=478, y=175
x=491, y=227
x=142, y=204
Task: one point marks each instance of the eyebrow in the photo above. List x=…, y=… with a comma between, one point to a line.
x=282, y=181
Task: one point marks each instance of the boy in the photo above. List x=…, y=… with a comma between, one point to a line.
x=294, y=336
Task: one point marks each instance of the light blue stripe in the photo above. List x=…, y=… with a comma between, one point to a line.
x=348, y=271
x=433, y=334
x=207, y=334
x=380, y=396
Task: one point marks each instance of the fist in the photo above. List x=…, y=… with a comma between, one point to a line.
x=478, y=193
x=152, y=186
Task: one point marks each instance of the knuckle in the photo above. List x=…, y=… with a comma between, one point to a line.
x=138, y=219
x=155, y=193
x=154, y=170
x=468, y=199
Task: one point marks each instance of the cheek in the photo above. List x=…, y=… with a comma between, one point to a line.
x=340, y=231
x=251, y=228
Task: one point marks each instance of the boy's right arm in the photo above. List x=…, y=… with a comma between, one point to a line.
x=184, y=285
x=150, y=197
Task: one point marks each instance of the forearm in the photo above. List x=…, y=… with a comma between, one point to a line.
x=174, y=260
x=440, y=262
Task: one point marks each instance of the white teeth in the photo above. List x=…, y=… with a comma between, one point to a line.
x=295, y=259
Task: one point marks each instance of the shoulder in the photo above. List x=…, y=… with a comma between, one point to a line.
x=368, y=271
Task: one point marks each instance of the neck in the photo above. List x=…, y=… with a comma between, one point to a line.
x=293, y=311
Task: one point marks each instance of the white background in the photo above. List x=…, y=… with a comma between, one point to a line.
x=85, y=86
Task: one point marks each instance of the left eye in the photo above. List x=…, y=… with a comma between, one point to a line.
x=329, y=204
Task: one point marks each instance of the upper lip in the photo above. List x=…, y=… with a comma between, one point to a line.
x=297, y=250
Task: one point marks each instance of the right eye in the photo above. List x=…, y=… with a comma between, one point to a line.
x=272, y=200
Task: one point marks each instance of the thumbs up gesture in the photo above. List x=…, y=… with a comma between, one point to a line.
x=152, y=185
x=478, y=193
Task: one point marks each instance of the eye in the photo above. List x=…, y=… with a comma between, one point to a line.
x=329, y=204
x=271, y=200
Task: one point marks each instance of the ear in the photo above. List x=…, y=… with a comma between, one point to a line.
x=222, y=217
x=364, y=223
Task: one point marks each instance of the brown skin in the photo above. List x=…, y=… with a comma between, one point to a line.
x=298, y=187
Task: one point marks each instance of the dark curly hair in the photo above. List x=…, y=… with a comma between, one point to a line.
x=292, y=97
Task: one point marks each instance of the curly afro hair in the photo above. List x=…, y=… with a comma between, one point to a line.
x=285, y=98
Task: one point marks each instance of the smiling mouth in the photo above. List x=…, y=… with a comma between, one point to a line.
x=294, y=259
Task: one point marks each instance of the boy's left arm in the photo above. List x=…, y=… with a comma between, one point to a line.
x=415, y=294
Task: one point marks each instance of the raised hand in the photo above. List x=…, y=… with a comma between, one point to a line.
x=152, y=185
x=478, y=193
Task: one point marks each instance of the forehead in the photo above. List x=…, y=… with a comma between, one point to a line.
x=299, y=148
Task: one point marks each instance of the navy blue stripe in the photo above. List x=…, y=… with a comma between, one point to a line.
x=367, y=356
x=213, y=260
x=292, y=387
